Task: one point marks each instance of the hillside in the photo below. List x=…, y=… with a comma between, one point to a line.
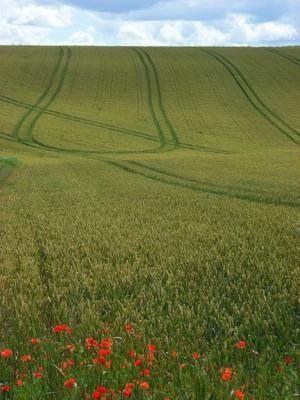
x=153, y=185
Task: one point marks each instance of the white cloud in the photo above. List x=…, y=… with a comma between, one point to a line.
x=138, y=33
x=24, y=22
x=254, y=33
x=45, y=22
x=56, y=17
x=172, y=32
x=234, y=29
x=84, y=38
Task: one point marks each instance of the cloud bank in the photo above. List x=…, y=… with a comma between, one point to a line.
x=150, y=22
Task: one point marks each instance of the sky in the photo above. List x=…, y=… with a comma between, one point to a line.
x=150, y=22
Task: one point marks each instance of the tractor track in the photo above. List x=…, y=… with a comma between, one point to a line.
x=150, y=101
x=74, y=118
x=286, y=56
x=191, y=184
x=145, y=57
x=254, y=99
x=19, y=125
x=52, y=98
x=45, y=110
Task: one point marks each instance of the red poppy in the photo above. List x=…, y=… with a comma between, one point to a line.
x=138, y=362
x=196, y=355
x=38, y=375
x=129, y=328
x=106, y=343
x=19, y=382
x=70, y=383
x=241, y=344
x=26, y=358
x=227, y=374
x=239, y=394
x=105, y=352
x=288, y=360
x=144, y=385
x=102, y=360
x=132, y=353
x=5, y=388
x=35, y=341
x=6, y=353
x=68, y=364
x=102, y=389
x=127, y=392
x=174, y=354
x=90, y=343
x=152, y=348
x=146, y=372
x=62, y=328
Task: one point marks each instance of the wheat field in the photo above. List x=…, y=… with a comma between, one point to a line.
x=156, y=188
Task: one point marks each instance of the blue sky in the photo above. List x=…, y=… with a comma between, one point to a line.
x=151, y=22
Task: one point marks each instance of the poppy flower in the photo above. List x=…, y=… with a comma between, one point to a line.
x=102, y=389
x=227, y=374
x=196, y=355
x=70, y=383
x=102, y=360
x=174, y=354
x=239, y=395
x=288, y=360
x=146, y=372
x=68, y=364
x=62, y=328
x=129, y=386
x=19, y=382
x=105, y=352
x=106, y=343
x=26, y=358
x=5, y=388
x=144, y=385
x=132, y=353
x=152, y=348
x=6, y=353
x=138, y=362
x=35, y=341
x=127, y=392
x=38, y=375
x=241, y=344
x=129, y=328
x=90, y=343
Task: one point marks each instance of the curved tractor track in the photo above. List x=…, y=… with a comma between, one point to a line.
x=158, y=175
x=74, y=118
x=160, y=119
x=255, y=100
x=41, y=107
x=294, y=60
x=30, y=112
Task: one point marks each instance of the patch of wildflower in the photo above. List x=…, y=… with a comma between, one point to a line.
x=89, y=367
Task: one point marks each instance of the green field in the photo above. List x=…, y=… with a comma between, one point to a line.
x=158, y=187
